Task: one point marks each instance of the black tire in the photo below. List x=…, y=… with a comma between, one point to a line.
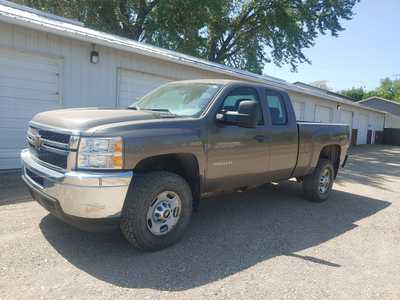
x=142, y=193
x=311, y=182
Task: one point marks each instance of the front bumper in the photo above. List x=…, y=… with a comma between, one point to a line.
x=88, y=195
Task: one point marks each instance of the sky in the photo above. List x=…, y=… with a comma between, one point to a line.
x=366, y=51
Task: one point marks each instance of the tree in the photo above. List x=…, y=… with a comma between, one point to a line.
x=247, y=34
x=357, y=93
x=126, y=18
x=388, y=89
x=244, y=34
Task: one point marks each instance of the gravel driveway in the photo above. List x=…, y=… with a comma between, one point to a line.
x=267, y=243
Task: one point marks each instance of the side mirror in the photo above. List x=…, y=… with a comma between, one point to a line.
x=245, y=116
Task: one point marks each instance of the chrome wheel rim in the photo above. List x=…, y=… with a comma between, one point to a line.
x=164, y=213
x=325, y=181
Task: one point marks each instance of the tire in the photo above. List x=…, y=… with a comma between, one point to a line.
x=312, y=183
x=143, y=199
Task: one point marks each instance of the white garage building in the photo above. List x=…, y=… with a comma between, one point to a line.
x=47, y=62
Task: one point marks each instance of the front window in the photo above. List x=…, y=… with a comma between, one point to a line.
x=232, y=101
x=182, y=99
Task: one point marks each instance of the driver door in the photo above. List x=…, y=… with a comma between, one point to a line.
x=237, y=156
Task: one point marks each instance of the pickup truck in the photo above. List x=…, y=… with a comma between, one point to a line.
x=144, y=168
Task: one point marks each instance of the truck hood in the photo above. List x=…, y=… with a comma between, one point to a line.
x=81, y=119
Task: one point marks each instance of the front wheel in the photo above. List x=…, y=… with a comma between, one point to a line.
x=318, y=185
x=157, y=210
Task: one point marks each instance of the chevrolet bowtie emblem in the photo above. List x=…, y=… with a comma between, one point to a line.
x=37, y=141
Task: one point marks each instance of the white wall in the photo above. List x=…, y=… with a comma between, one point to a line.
x=375, y=120
x=81, y=83
x=86, y=84
x=392, y=121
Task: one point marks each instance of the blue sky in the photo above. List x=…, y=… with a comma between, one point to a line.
x=368, y=50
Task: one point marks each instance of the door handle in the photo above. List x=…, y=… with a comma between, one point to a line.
x=260, y=138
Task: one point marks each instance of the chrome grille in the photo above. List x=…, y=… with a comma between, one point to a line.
x=50, y=147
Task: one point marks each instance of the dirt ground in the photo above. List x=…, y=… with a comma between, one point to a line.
x=267, y=243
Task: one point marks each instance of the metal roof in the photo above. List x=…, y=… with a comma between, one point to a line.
x=41, y=21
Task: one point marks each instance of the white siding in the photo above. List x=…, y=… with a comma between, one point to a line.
x=392, y=121
x=313, y=112
x=80, y=83
x=362, y=126
x=323, y=114
x=28, y=84
x=299, y=109
x=346, y=117
x=86, y=84
x=133, y=85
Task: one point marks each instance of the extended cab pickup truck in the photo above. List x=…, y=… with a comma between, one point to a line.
x=144, y=168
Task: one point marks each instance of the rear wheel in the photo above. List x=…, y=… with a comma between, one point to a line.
x=157, y=210
x=318, y=185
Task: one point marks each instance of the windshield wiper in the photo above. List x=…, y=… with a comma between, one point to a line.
x=159, y=109
x=152, y=109
x=167, y=112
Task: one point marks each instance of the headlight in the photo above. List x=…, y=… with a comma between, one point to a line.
x=100, y=153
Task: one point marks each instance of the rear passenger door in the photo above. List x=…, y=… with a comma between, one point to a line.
x=283, y=133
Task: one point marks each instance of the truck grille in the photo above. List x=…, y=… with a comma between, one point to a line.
x=55, y=136
x=49, y=147
x=36, y=178
x=55, y=159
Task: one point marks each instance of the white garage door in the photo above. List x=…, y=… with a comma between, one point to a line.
x=28, y=84
x=133, y=85
x=346, y=117
x=299, y=108
x=362, y=129
x=323, y=114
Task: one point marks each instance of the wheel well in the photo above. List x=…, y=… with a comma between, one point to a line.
x=332, y=152
x=185, y=165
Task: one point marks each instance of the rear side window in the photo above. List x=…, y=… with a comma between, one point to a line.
x=276, y=107
x=232, y=101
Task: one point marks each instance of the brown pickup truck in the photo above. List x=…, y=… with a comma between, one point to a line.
x=144, y=168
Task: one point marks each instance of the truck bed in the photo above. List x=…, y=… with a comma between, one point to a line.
x=313, y=136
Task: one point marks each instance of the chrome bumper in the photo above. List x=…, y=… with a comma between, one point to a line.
x=92, y=195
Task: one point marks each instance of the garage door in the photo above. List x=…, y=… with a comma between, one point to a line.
x=299, y=108
x=346, y=117
x=28, y=84
x=362, y=129
x=133, y=85
x=323, y=114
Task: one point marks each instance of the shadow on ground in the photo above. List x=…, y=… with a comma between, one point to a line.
x=12, y=189
x=372, y=165
x=229, y=234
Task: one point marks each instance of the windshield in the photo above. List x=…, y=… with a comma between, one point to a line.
x=185, y=99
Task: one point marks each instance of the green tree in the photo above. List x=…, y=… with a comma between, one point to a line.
x=388, y=89
x=355, y=93
x=244, y=34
